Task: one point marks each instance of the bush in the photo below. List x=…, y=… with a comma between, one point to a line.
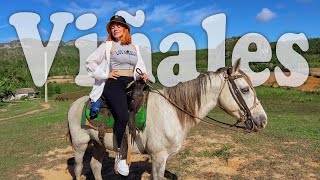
x=24, y=98
x=53, y=88
x=57, y=89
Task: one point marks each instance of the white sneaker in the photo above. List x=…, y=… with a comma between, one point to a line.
x=122, y=167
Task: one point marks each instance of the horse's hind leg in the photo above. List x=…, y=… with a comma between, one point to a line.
x=78, y=157
x=96, y=160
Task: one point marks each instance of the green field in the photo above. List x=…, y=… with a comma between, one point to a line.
x=289, y=147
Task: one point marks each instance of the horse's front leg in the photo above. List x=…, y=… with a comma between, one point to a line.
x=159, y=161
x=96, y=160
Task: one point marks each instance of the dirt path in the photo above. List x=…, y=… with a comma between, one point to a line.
x=61, y=79
x=64, y=80
x=312, y=83
x=45, y=107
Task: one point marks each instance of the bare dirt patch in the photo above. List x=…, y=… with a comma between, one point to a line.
x=141, y=164
x=139, y=167
x=69, y=80
x=61, y=79
x=198, y=160
x=315, y=72
x=312, y=83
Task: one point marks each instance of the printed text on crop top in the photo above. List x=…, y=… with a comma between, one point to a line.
x=123, y=56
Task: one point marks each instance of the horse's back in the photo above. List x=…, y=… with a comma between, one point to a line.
x=79, y=136
x=78, y=104
x=75, y=111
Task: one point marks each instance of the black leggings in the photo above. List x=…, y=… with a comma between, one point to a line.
x=115, y=93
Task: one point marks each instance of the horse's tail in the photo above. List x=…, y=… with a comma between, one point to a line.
x=68, y=134
x=68, y=137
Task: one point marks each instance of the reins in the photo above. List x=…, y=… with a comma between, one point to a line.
x=148, y=83
x=202, y=120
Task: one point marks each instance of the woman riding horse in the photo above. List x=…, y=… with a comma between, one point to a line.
x=113, y=66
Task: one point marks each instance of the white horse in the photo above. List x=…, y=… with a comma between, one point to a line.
x=167, y=126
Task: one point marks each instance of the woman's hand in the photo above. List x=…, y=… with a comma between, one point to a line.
x=113, y=74
x=144, y=76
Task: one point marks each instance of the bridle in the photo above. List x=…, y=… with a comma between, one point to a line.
x=237, y=96
x=228, y=78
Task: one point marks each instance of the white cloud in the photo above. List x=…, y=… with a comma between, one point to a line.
x=172, y=20
x=46, y=2
x=172, y=14
x=3, y=26
x=159, y=13
x=103, y=8
x=196, y=16
x=75, y=8
x=43, y=31
x=280, y=6
x=158, y=29
x=133, y=10
x=265, y=15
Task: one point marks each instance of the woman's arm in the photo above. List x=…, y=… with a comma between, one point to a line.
x=93, y=62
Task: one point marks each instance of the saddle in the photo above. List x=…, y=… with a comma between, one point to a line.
x=98, y=122
x=137, y=97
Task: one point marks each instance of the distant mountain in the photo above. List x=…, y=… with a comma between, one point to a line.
x=14, y=68
x=70, y=43
x=11, y=44
x=17, y=43
x=13, y=51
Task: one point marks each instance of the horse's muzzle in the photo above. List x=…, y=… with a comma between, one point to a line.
x=259, y=122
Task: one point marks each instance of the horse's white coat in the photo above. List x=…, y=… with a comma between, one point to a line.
x=163, y=135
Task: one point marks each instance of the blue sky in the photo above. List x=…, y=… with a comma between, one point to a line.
x=271, y=18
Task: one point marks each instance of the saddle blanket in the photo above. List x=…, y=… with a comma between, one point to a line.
x=109, y=120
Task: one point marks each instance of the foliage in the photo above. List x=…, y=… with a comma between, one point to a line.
x=222, y=152
x=53, y=88
x=14, y=71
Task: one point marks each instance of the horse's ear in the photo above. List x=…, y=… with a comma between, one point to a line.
x=236, y=66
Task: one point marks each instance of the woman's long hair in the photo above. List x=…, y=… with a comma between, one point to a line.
x=126, y=38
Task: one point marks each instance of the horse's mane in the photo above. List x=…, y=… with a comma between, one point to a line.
x=187, y=95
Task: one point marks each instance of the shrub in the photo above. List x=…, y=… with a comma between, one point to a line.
x=53, y=88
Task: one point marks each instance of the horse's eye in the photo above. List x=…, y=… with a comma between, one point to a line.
x=245, y=90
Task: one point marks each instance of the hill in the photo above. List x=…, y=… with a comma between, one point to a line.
x=14, y=72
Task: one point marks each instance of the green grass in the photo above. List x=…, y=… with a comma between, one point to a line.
x=24, y=138
x=16, y=108
x=292, y=136
x=293, y=116
x=223, y=152
x=290, y=113
x=220, y=153
x=313, y=60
